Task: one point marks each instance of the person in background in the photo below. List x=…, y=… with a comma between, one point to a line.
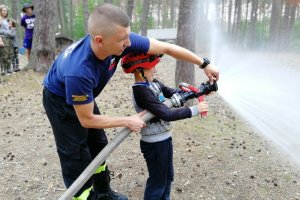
x=1, y=41
x=27, y=21
x=15, y=56
x=7, y=35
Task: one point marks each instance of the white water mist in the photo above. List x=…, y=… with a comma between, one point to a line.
x=266, y=93
x=263, y=88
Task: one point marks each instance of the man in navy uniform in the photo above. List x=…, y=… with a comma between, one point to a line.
x=78, y=76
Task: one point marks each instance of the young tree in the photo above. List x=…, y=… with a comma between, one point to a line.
x=158, y=13
x=85, y=6
x=15, y=10
x=275, y=24
x=43, y=47
x=61, y=17
x=253, y=20
x=185, y=72
x=165, y=14
x=130, y=5
x=237, y=21
x=144, y=24
x=173, y=13
x=71, y=18
x=229, y=17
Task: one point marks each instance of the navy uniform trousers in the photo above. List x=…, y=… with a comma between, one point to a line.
x=76, y=146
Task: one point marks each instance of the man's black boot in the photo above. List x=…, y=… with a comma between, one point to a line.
x=102, y=189
x=110, y=195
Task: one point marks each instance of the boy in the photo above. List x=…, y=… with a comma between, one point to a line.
x=156, y=141
x=27, y=22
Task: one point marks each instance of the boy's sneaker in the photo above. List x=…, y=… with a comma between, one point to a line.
x=16, y=70
x=110, y=195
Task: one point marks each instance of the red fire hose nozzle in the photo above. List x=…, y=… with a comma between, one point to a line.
x=189, y=88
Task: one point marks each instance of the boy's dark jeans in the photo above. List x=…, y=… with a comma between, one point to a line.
x=159, y=159
x=76, y=146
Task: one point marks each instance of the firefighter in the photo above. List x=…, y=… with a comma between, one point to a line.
x=77, y=77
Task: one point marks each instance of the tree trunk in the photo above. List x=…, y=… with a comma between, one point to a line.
x=151, y=8
x=165, y=14
x=185, y=72
x=158, y=13
x=61, y=18
x=292, y=17
x=275, y=24
x=71, y=17
x=144, y=24
x=237, y=21
x=85, y=8
x=247, y=11
x=15, y=10
x=222, y=15
x=43, y=48
x=172, y=13
x=229, y=17
x=285, y=27
x=130, y=5
x=253, y=20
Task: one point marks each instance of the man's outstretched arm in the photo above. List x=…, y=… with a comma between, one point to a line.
x=158, y=47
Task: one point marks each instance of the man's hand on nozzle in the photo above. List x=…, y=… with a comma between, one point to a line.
x=135, y=122
x=202, y=106
x=212, y=73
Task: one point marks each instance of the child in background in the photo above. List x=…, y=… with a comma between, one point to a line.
x=7, y=37
x=27, y=22
x=15, y=56
x=1, y=41
x=156, y=141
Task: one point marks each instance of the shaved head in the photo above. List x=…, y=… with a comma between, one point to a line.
x=104, y=19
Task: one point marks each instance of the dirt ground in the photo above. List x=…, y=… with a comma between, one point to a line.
x=219, y=157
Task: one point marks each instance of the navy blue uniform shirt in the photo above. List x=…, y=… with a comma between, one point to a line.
x=79, y=76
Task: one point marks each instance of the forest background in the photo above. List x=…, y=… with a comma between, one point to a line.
x=258, y=24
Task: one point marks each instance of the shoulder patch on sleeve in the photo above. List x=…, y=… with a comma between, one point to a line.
x=79, y=98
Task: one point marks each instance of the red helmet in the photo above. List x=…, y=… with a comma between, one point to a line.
x=131, y=62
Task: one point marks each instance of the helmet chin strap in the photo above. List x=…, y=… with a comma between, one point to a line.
x=141, y=72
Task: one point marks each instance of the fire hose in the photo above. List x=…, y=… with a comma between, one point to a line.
x=176, y=100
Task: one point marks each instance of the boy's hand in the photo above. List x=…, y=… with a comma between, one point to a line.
x=202, y=106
